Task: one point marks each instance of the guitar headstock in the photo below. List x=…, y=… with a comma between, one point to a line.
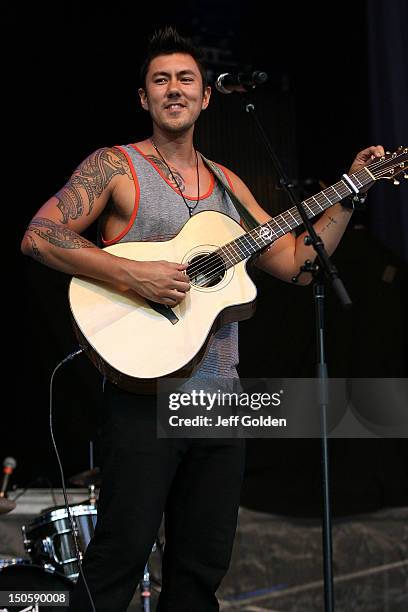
x=390, y=165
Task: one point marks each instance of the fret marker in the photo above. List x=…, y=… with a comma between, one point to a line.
x=265, y=233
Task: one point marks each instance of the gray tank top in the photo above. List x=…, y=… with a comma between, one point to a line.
x=159, y=214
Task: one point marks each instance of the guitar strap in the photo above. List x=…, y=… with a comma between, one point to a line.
x=248, y=219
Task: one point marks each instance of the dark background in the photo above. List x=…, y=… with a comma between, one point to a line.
x=337, y=83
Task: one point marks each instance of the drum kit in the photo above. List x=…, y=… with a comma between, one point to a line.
x=52, y=564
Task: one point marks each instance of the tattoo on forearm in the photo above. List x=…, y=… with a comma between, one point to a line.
x=35, y=249
x=88, y=182
x=57, y=235
x=331, y=222
x=177, y=181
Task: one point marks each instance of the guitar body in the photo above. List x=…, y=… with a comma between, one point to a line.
x=135, y=342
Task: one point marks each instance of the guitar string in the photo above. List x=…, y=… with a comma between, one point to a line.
x=212, y=271
x=228, y=248
x=206, y=267
x=228, y=253
x=199, y=267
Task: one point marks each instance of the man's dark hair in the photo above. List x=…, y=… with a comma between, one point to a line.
x=167, y=41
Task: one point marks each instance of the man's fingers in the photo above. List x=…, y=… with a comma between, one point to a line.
x=179, y=266
x=181, y=286
x=184, y=278
x=175, y=298
x=373, y=152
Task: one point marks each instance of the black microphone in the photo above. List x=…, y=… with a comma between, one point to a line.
x=241, y=81
x=9, y=464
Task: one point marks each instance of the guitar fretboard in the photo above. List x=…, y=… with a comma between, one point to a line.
x=264, y=235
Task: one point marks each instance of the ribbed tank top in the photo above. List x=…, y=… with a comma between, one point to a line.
x=159, y=214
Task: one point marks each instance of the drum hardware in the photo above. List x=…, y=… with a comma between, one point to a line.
x=49, y=548
x=26, y=541
x=49, y=538
x=92, y=495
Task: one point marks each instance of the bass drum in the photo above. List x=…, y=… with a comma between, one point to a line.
x=14, y=561
x=23, y=576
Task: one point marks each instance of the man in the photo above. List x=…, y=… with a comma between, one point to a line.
x=148, y=191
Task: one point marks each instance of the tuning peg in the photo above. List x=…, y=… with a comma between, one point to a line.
x=405, y=175
x=396, y=182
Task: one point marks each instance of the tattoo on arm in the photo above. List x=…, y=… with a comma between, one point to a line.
x=58, y=235
x=35, y=249
x=174, y=177
x=331, y=222
x=88, y=182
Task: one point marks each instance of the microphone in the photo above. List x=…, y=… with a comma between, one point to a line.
x=241, y=81
x=9, y=465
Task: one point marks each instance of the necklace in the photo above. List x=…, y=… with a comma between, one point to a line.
x=189, y=208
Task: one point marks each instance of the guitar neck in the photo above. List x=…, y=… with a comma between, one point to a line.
x=264, y=235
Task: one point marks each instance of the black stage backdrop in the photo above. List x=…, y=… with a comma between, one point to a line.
x=72, y=78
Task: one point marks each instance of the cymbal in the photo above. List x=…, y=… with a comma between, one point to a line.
x=89, y=477
x=6, y=505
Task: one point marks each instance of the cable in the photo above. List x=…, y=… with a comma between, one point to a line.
x=73, y=526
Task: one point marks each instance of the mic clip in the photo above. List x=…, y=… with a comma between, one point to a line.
x=242, y=82
x=219, y=86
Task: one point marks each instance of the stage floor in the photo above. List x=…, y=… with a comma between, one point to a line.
x=277, y=564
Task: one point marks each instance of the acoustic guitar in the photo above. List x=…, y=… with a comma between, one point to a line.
x=135, y=342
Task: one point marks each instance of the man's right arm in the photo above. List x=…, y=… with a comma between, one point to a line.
x=53, y=236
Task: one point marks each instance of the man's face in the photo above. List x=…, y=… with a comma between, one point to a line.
x=174, y=93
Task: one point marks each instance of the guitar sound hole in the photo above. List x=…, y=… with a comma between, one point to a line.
x=206, y=270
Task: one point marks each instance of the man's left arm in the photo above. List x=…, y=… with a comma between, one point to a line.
x=284, y=258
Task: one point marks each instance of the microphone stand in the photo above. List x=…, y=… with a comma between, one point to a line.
x=324, y=268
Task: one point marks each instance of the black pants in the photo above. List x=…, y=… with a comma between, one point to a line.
x=196, y=484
